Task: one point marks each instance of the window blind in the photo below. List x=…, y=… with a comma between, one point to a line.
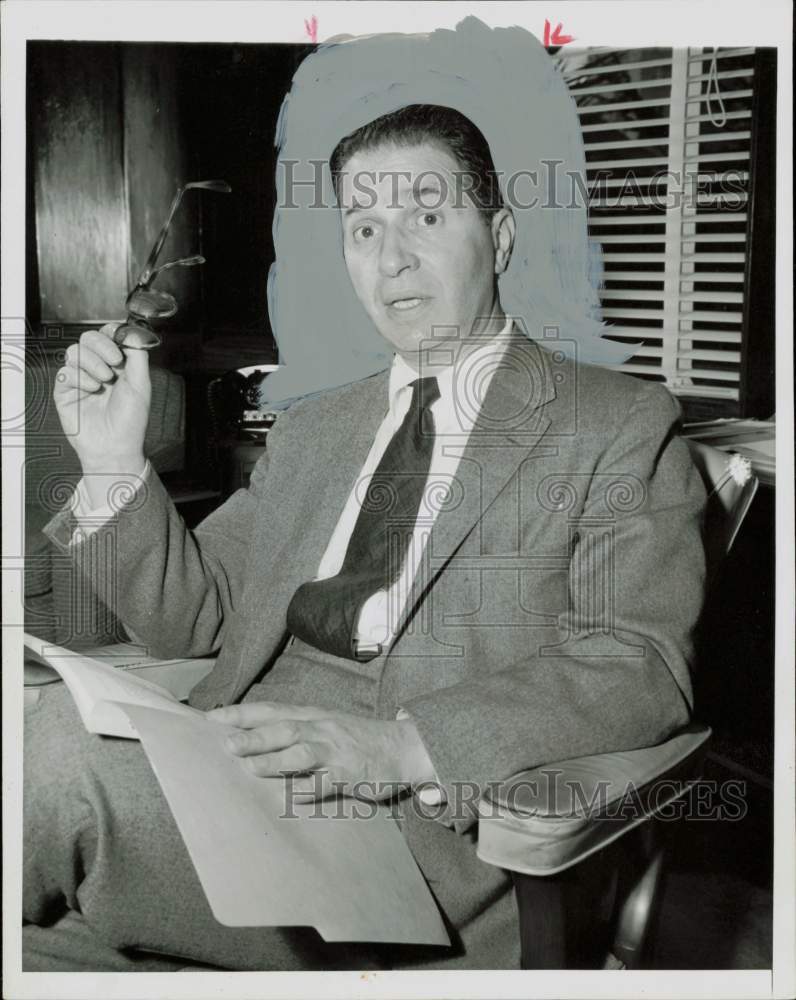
x=667, y=134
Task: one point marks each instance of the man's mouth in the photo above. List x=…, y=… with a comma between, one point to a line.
x=405, y=304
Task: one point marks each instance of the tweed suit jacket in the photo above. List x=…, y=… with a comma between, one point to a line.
x=552, y=617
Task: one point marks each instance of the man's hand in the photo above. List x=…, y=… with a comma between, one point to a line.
x=103, y=396
x=330, y=752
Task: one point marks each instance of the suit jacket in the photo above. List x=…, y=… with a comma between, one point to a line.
x=552, y=617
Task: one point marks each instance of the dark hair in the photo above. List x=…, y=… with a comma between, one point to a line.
x=422, y=123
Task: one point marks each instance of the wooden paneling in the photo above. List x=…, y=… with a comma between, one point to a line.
x=231, y=100
x=115, y=128
x=82, y=233
x=156, y=164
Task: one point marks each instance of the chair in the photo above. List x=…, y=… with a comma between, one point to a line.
x=583, y=838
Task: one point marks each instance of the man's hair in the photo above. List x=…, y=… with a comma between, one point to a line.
x=417, y=124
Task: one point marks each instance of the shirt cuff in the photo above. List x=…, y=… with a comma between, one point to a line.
x=90, y=519
x=429, y=792
x=372, y=627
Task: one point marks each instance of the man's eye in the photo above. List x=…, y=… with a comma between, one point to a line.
x=365, y=232
x=429, y=219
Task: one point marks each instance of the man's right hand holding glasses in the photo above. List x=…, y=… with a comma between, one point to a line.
x=103, y=396
x=103, y=392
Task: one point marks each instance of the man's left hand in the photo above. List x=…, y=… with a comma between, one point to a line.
x=326, y=752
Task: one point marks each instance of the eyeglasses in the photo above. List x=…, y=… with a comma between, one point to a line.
x=145, y=304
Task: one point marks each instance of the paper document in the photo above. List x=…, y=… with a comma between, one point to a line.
x=264, y=861
x=98, y=689
x=179, y=676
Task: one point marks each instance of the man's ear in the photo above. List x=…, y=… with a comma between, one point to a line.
x=503, y=230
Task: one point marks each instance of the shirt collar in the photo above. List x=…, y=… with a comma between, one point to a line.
x=402, y=373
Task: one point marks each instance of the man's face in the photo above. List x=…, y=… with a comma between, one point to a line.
x=420, y=255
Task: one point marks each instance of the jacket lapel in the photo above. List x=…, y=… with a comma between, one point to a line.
x=511, y=425
x=343, y=446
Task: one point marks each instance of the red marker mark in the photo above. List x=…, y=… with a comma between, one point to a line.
x=556, y=38
x=311, y=27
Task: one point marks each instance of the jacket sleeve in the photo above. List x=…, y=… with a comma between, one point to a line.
x=171, y=587
x=615, y=676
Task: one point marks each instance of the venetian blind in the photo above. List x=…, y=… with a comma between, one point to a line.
x=667, y=134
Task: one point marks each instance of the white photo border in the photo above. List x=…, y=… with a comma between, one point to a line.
x=615, y=24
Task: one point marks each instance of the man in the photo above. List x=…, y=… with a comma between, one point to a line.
x=441, y=639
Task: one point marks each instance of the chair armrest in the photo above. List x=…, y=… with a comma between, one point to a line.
x=547, y=819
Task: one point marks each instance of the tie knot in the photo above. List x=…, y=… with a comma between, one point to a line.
x=425, y=392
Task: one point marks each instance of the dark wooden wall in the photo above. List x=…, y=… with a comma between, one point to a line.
x=232, y=96
x=82, y=230
x=156, y=161
x=113, y=130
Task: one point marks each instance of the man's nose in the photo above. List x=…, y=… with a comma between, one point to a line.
x=396, y=253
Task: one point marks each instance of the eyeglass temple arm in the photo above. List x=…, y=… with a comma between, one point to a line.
x=147, y=274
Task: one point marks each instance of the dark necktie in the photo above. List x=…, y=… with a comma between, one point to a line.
x=324, y=613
